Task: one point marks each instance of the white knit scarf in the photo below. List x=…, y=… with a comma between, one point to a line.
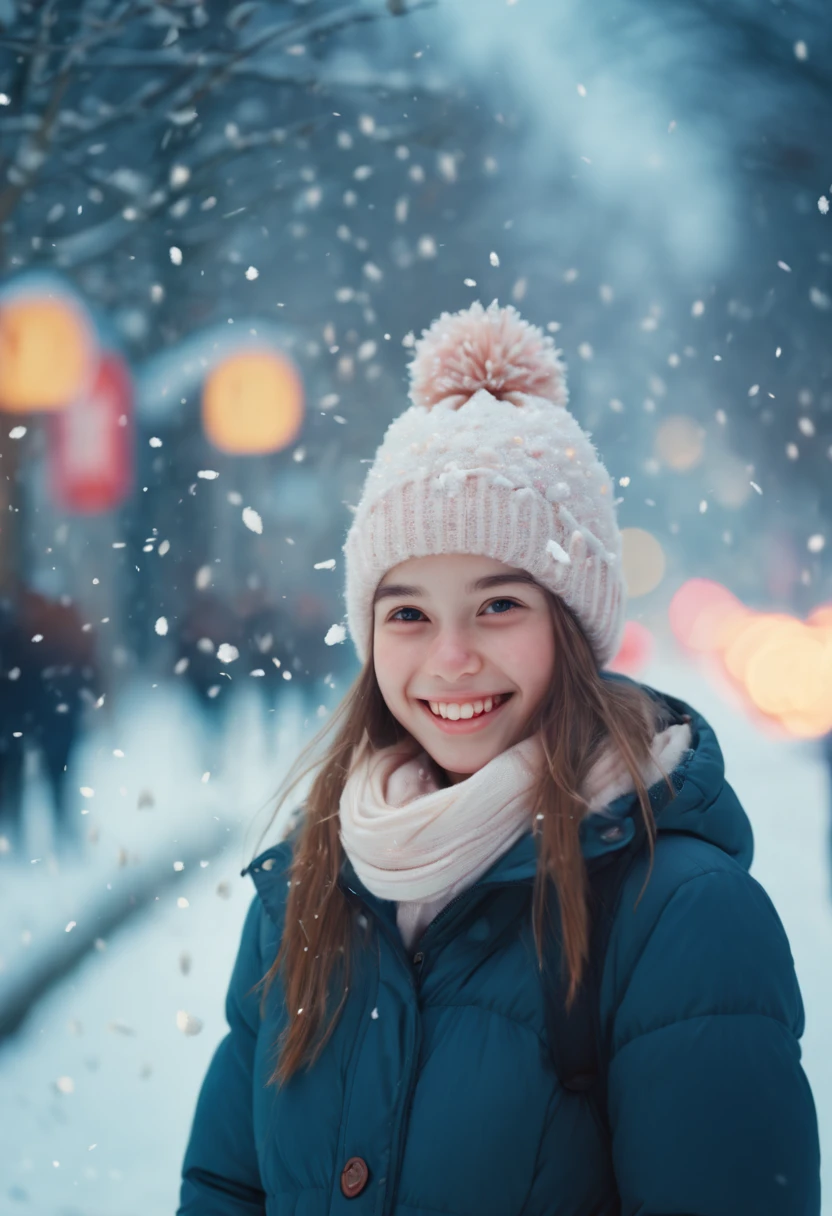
x=414, y=842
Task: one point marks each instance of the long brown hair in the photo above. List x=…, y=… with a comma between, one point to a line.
x=580, y=714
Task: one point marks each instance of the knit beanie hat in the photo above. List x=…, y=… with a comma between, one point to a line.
x=488, y=460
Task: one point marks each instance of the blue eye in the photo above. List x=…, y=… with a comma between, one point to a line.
x=512, y=602
x=398, y=610
x=395, y=615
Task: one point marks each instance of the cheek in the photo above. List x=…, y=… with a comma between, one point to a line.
x=390, y=667
x=530, y=660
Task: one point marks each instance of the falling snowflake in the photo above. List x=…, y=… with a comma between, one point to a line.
x=252, y=520
x=446, y=163
x=823, y=205
x=493, y=259
x=226, y=653
x=187, y=1023
x=181, y=118
x=334, y=635
x=558, y=552
x=161, y=626
x=176, y=255
x=252, y=272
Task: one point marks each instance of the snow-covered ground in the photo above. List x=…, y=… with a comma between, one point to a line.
x=155, y=791
x=99, y=1086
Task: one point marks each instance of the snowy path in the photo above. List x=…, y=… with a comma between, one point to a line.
x=102, y=1061
x=151, y=800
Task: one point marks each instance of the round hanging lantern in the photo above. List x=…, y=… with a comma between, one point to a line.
x=252, y=403
x=47, y=353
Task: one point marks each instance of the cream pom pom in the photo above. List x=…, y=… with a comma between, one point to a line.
x=493, y=349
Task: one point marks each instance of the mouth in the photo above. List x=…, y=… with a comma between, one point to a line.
x=465, y=726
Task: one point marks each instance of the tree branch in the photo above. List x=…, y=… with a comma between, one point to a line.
x=12, y=193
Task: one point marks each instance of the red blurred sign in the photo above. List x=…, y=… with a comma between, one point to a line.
x=91, y=443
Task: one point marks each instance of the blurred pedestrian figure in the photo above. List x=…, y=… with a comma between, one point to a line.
x=11, y=727
x=264, y=626
x=826, y=751
x=208, y=626
x=47, y=669
x=310, y=659
x=59, y=675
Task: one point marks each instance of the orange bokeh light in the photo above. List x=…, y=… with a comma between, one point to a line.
x=253, y=403
x=642, y=561
x=47, y=353
x=680, y=442
x=782, y=666
x=701, y=611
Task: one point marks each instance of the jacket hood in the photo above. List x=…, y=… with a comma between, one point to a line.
x=705, y=806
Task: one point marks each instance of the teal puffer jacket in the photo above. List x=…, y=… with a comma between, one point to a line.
x=437, y=1094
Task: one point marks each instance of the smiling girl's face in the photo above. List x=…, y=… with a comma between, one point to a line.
x=457, y=628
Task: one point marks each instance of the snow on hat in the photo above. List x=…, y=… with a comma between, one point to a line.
x=488, y=460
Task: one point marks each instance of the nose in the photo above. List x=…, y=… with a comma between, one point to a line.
x=452, y=654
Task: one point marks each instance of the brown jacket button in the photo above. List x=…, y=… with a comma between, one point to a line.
x=354, y=1177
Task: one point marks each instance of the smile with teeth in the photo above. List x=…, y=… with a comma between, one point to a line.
x=454, y=711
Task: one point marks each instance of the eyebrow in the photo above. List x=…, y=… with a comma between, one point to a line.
x=402, y=590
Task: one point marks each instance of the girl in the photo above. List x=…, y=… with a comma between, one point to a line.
x=422, y=940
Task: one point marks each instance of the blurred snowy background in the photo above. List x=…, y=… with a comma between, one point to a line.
x=221, y=226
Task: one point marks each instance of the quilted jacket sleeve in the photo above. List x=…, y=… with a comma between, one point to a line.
x=220, y=1174
x=711, y=1112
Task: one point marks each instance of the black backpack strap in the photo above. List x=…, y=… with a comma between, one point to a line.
x=580, y=1049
